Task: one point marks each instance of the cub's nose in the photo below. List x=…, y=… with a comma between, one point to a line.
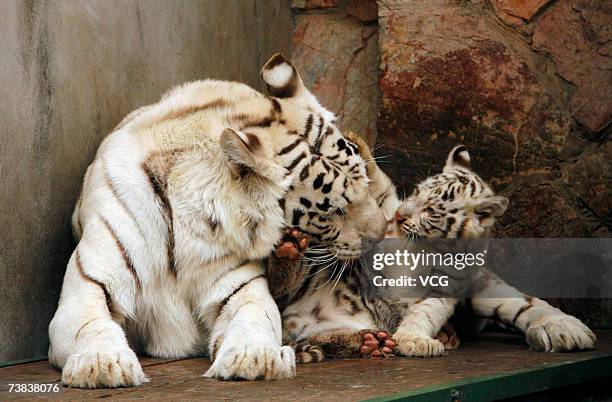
x=399, y=218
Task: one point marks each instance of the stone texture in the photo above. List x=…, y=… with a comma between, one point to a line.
x=307, y=5
x=70, y=71
x=517, y=12
x=588, y=183
x=364, y=10
x=450, y=76
x=337, y=57
x=578, y=37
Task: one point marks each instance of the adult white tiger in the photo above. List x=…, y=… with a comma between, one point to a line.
x=181, y=202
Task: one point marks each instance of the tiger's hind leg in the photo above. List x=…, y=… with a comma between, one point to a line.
x=345, y=343
x=546, y=328
x=305, y=353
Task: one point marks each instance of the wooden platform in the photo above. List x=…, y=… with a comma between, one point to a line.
x=493, y=367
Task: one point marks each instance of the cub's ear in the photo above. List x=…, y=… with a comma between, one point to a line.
x=281, y=77
x=362, y=145
x=364, y=150
x=459, y=156
x=242, y=151
x=490, y=208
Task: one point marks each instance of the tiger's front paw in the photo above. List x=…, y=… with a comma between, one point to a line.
x=253, y=363
x=294, y=243
x=560, y=333
x=108, y=367
x=416, y=346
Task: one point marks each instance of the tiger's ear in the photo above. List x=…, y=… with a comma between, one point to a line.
x=459, y=156
x=281, y=77
x=284, y=82
x=242, y=151
x=490, y=208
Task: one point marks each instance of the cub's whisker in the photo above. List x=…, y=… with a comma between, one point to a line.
x=329, y=277
x=322, y=269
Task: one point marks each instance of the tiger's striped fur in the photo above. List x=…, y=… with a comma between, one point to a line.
x=326, y=317
x=180, y=205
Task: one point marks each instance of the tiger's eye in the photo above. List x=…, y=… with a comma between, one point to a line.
x=429, y=210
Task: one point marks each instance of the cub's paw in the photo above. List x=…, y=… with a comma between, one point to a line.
x=294, y=243
x=560, y=333
x=253, y=363
x=103, y=368
x=377, y=344
x=448, y=337
x=417, y=346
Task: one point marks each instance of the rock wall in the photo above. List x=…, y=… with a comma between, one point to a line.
x=525, y=85
x=335, y=48
x=69, y=72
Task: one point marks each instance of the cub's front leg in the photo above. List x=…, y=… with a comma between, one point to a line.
x=423, y=320
x=246, y=336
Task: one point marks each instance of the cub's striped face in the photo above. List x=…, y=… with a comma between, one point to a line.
x=329, y=198
x=454, y=204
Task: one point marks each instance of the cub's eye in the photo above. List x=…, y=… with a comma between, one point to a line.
x=429, y=210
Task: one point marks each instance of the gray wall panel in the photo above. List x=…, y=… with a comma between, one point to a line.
x=69, y=71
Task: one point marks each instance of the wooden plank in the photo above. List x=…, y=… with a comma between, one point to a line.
x=512, y=384
x=340, y=380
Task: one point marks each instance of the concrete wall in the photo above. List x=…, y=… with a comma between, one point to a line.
x=69, y=71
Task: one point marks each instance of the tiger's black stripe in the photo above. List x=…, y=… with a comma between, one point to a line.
x=102, y=286
x=521, y=311
x=124, y=254
x=296, y=161
x=113, y=188
x=308, y=126
x=290, y=147
x=159, y=186
x=235, y=292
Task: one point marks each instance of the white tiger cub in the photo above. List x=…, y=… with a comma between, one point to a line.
x=179, y=206
x=457, y=203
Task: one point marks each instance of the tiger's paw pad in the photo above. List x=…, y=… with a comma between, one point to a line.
x=253, y=363
x=103, y=368
x=417, y=346
x=448, y=337
x=294, y=243
x=560, y=333
x=377, y=344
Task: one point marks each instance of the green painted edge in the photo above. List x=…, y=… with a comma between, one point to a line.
x=8, y=363
x=511, y=384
